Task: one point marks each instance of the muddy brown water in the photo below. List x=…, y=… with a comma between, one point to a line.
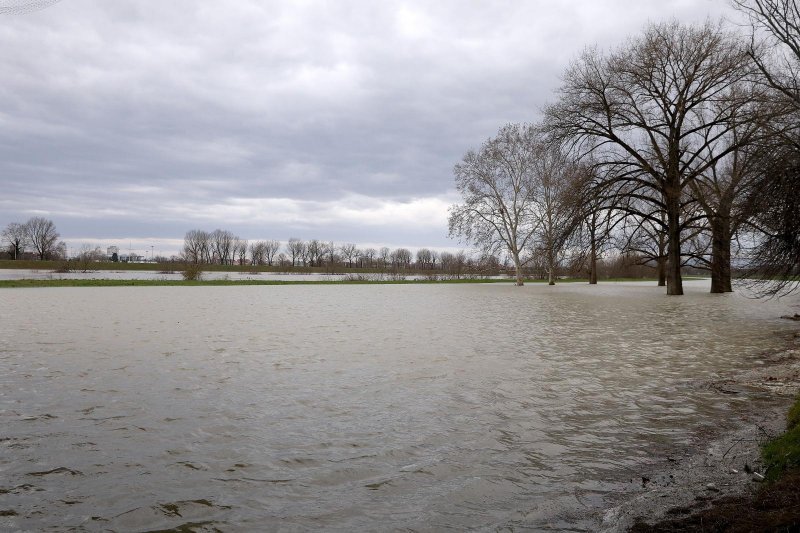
x=422, y=407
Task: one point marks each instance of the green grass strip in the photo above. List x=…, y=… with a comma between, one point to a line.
x=782, y=454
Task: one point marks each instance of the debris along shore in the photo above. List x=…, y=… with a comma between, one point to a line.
x=721, y=477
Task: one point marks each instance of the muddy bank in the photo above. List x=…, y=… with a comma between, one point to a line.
x=723, y=468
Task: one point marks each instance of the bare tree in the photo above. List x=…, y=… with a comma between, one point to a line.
x=648, y=110
x=196, y=246
x=222, y=246
x=424, y=259
x=16, y=236
x=330, y=250
x=314, y=251
x=780, y=21
x=257, y=253
x=369, y=255
x=349, y=251
x=88, y=255
x=775, y=256
x=239, y=250
x=384, y=254
x=271, y=248
x=401, y=258
x=644, y=239
x=597, y=221
x=42, y=236
x=296, y=250
x=497, y=185
x=454, y=264
x=722, y=192
x=557, y=202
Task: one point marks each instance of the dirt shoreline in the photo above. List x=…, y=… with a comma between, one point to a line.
x=728, y=465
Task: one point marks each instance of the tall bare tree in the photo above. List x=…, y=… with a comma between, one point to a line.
x=42, y=236
x=723, y=193
x=597, y=220
x=222, y=246
x=384, y=254
x=16, y=236
x=257, y=253
x=497, y=185
x=401, y=258
x=369, y=255
x=556, y=196
x=779, y=20
x=271, y=248
x=296, y=250
x=195, y=246
x=775, y=260
x=424, y=259
x=239, y=250
x=315, y=251
x=649, y=109
x=349, y=252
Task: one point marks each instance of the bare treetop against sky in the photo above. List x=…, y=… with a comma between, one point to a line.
x=139, y=120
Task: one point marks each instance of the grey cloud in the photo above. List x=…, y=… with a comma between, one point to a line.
x=143, y=105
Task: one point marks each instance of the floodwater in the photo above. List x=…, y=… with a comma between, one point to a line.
x=298, y=408
x=23, y=273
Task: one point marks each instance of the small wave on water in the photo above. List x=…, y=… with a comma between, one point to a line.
x=355, y=407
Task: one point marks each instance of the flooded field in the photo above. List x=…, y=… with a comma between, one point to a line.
x=423, y=407
x=24, y=273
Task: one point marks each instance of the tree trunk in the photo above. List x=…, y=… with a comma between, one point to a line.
x=662, y=271
x=551, y=267
x=593, y=264
x=517, y=267
x=674, y=280
x=720, y=255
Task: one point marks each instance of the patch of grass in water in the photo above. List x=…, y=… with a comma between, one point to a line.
x=782, y=454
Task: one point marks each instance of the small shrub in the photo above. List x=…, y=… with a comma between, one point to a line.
x=192, y=272
x=63, y=269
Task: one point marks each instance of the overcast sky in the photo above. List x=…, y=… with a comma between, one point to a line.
x=134, y=121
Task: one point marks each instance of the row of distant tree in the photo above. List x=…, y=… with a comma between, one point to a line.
x=681, y=147
x=37, y=237
x=225, y=248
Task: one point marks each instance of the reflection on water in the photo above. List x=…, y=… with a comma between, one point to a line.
x=353, y=407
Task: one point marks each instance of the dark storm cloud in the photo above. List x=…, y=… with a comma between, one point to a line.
x=337, y=119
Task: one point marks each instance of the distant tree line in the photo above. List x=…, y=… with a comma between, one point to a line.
x=679, y=149
x=222, y=247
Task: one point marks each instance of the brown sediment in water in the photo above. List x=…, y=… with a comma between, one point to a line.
x=719, y=486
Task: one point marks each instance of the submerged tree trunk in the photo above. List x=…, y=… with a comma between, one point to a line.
x=517, y=267
x=551, y=267
x=674, y=280
x=661, y=261
x=720, y=255
x=593, y=257
x=662, y=271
